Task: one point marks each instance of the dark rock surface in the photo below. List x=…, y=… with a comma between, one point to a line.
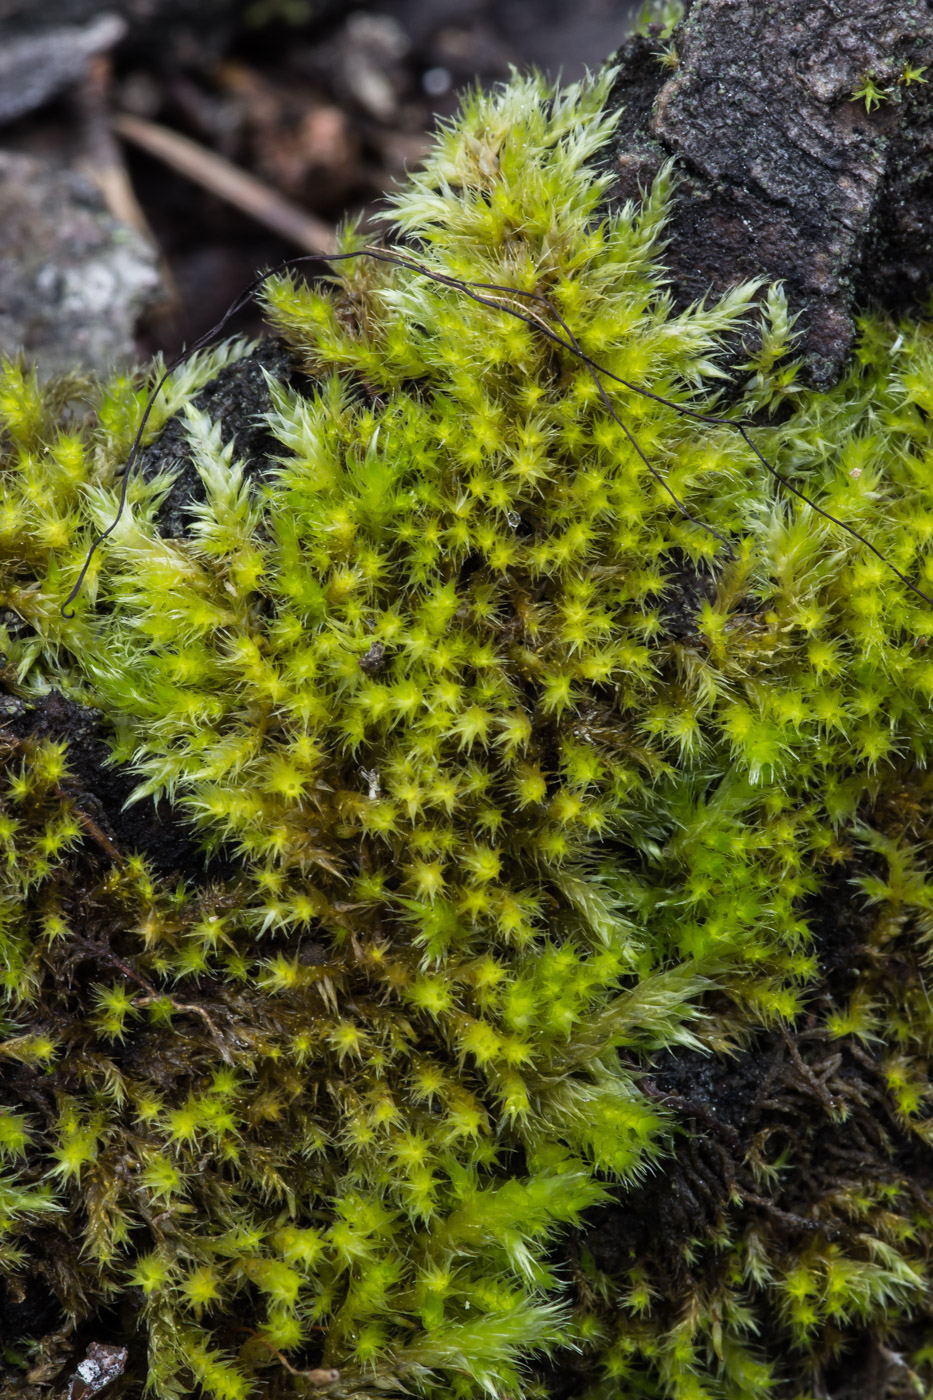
x=237, y=399
x=797, y=1098
x=783, y=172
x=100, y=789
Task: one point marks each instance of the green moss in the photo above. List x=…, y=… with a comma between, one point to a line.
x=666, y=14
x=502, y=804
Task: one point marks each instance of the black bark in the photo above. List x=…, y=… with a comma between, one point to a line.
x=784, y=174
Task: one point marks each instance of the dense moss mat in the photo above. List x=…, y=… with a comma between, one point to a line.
x=558, y=987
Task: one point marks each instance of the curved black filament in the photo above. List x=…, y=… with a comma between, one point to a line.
x=567, y=341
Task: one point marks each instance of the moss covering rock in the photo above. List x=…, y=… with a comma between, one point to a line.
x=558, y=985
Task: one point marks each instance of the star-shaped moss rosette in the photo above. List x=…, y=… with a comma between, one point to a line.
x=522, y=790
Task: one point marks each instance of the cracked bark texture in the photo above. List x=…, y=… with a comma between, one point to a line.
x=782, y=173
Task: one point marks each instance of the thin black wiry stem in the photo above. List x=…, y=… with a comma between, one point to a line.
x=594, y=371
x=567, y=341
x=203, y=340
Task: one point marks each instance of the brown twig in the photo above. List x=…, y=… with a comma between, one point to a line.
x=229, y=182
x=197, y=1010
x=817, y=1085
x=101, y=160
x=88, y=822
x=101, y=157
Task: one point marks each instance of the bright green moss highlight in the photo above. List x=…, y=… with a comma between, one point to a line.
x=665, y=13
x=425, y=684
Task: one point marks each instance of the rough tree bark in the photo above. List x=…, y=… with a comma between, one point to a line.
x=783, y=172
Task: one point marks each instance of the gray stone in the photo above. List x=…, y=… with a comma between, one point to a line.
x=72, y=280
x=36, y=67
x=195, y=32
